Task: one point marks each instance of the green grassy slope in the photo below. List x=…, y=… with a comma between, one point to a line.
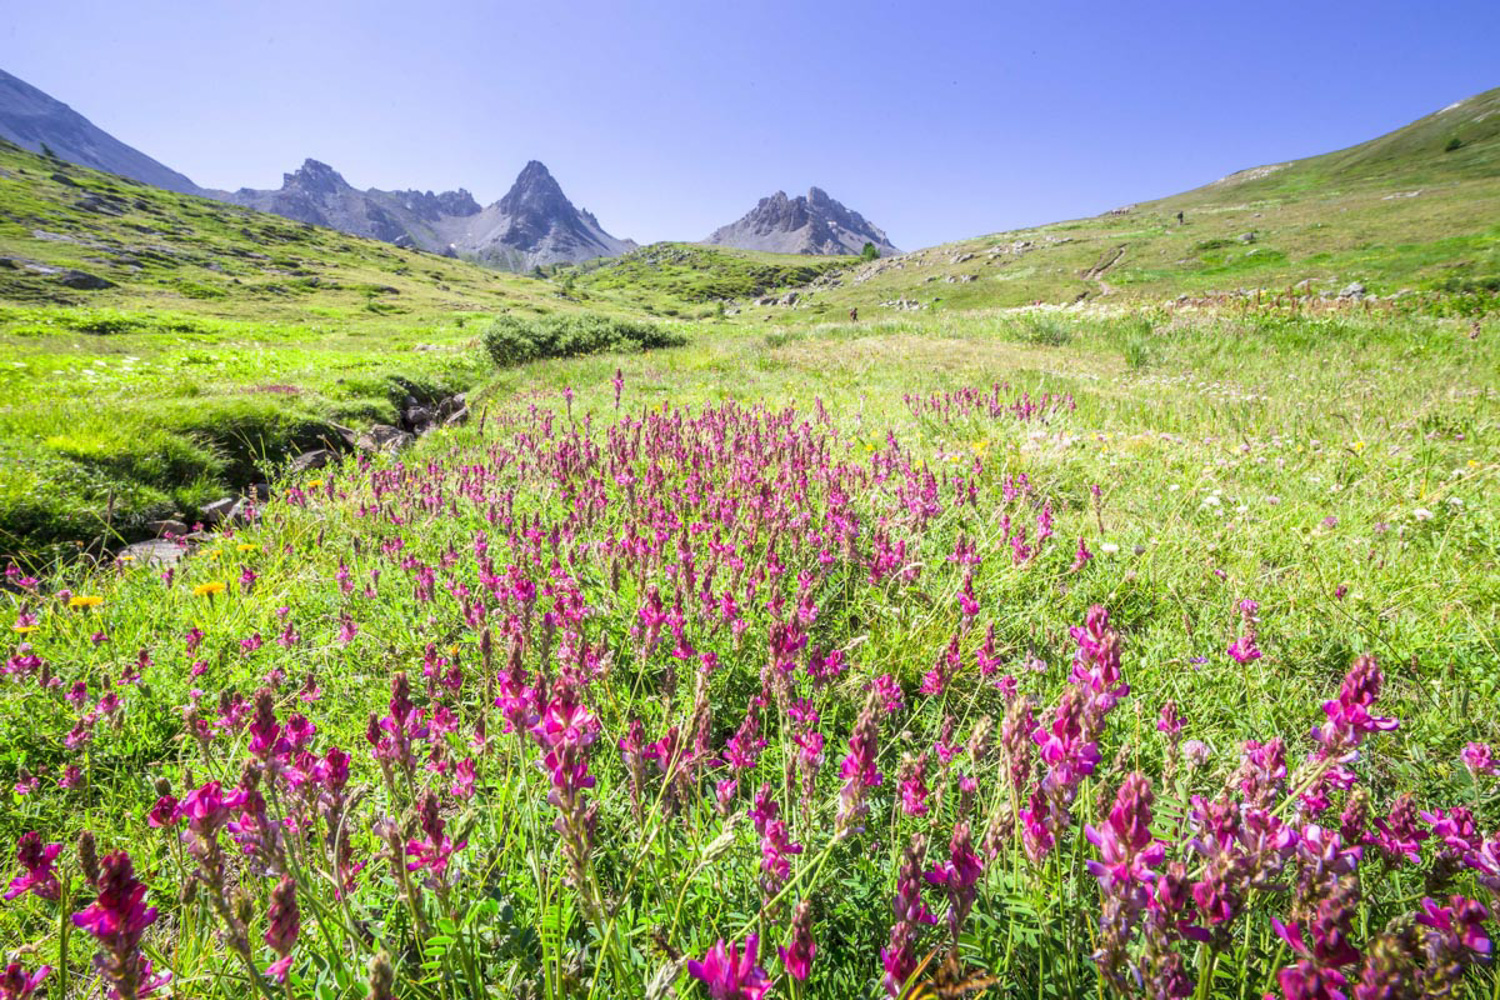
x=674, y=279
x=1415, y=209
x=224, y=340
x=164, y=250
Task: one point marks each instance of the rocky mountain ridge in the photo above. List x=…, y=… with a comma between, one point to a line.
x=533, y=224
x=807, y=224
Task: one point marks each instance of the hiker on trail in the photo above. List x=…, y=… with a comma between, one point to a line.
x=1179, y=218
x=854, y=314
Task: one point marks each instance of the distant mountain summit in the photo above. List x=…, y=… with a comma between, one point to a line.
x=533, y=224
x=32, y=119
x=317, y=194
x=810, y=224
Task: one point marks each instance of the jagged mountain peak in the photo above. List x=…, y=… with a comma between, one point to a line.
x=535, y=191
x=533, y=224
x=814, y=223
x=315, y=176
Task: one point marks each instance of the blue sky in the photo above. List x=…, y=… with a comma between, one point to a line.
x=936, y=120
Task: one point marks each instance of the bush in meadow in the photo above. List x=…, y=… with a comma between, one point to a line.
x=510, y=340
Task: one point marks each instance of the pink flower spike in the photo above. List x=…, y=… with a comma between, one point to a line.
x=1478, y=758
x=15, y=984
x=731, y=974
x=38, y=859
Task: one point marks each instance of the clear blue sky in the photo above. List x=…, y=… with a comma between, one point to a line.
x=936, y=120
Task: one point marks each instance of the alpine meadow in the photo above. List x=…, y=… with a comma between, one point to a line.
x=410, y=597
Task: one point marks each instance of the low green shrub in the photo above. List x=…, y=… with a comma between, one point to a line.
x=511, y=340
x=1045, y=331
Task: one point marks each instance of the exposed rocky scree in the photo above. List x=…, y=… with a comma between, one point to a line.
x=533, y=224
x=808, y=224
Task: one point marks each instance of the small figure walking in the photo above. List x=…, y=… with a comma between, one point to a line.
x=854, y=314
x=1179, y=218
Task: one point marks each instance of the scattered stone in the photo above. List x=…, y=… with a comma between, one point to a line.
x=1246, y=237
x=1353, y=290
x=101, y=205
x=457, y=418
x=384, y=438
x=156, y=551
x=168, y=527
x=310, y=460
x=219, y=511
x=417, y=418
x=83, y=280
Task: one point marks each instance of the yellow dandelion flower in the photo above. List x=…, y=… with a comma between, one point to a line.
x=210, y=588
x=85, y=601
x=1358, y=446
x=216, y=553
x=247, y=547
x=316, y=484
x=23, y=629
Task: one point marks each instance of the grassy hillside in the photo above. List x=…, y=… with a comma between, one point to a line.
x=689, y=279
x=161, y=250
x=1417, y=209
x=157, y=350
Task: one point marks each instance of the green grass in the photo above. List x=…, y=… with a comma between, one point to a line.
x=1339, y=469
x=510, y=340
x=1334, y=464
x=230, y=341
x=689, y=280
x=1398, y=213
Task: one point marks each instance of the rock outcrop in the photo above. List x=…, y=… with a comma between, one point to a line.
x=808, y=224
x=533, y=224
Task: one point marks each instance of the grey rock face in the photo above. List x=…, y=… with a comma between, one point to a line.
x=310, y=460
x=809, y=224
x=31, y=119
x=533, y=224
x=219, y=510
x=82, y=280
x=384, y=437
x=153, y=552
x=317, y=194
